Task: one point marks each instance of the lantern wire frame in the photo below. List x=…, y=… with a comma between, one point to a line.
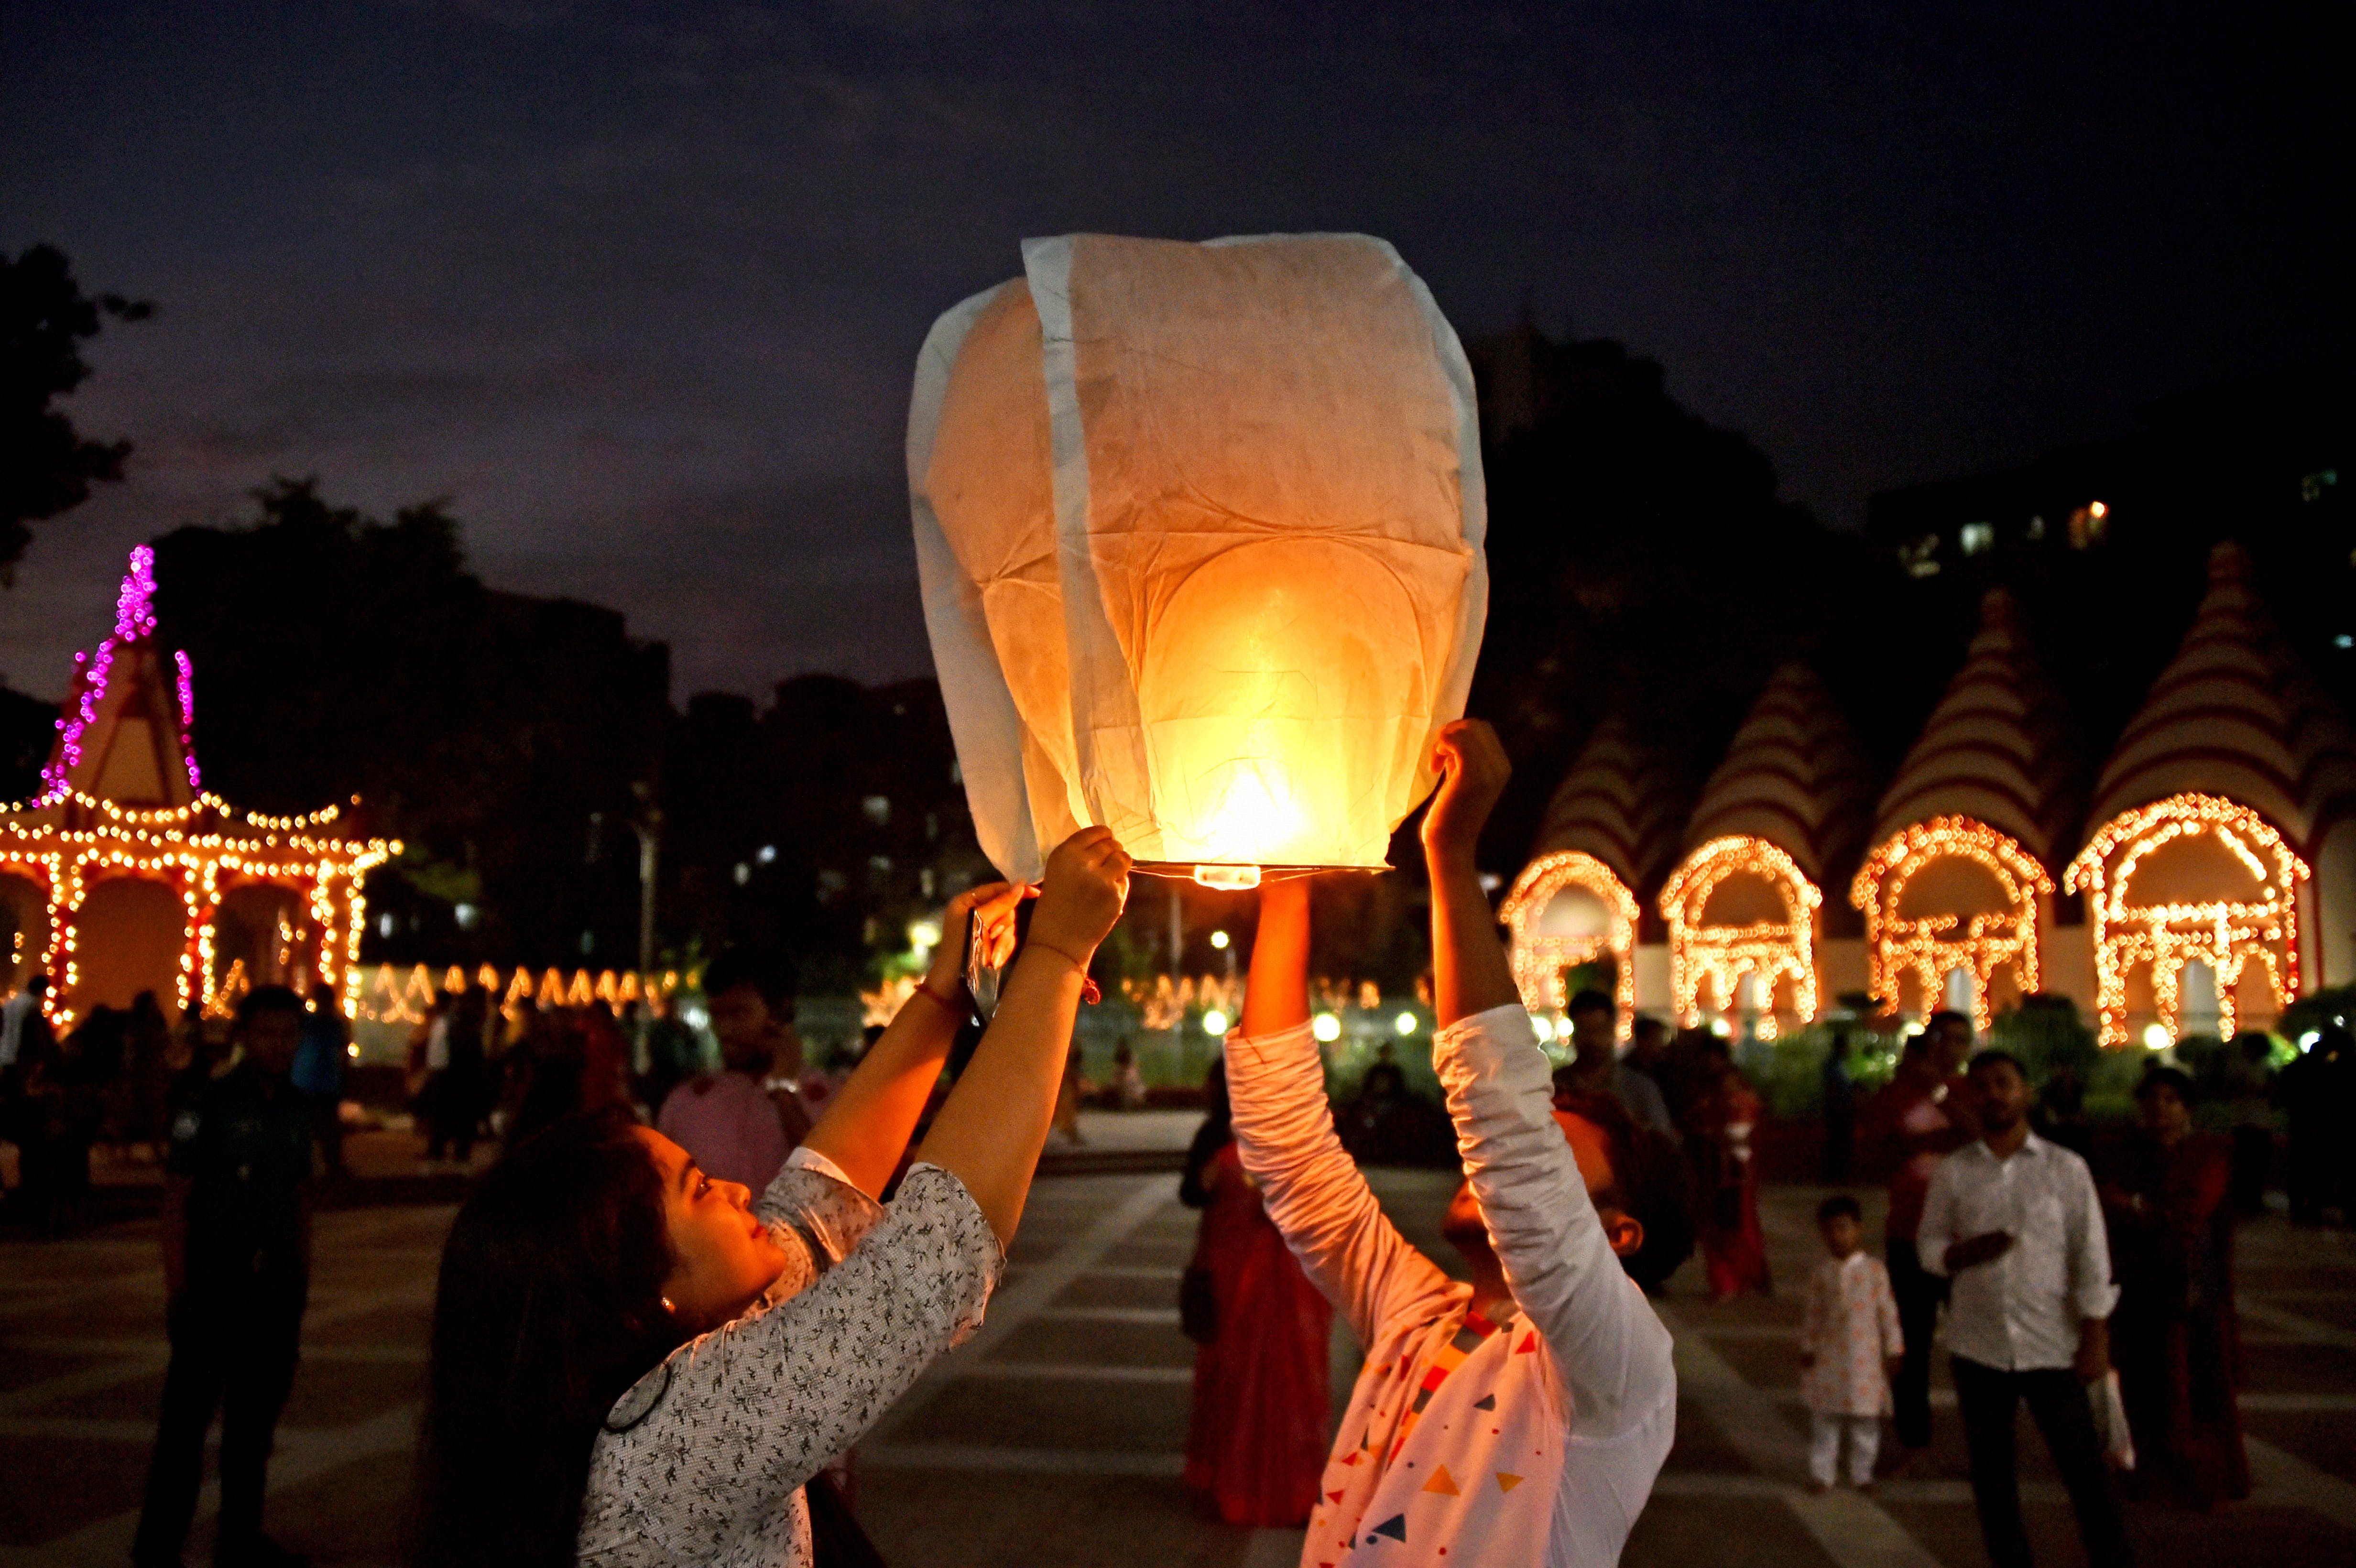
x=1721, y=955
x=1930, y=947
x=1539, y=959
x=2227, y=934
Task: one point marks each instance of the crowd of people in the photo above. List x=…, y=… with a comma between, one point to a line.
x=2088, y=1277
x=669, y=1310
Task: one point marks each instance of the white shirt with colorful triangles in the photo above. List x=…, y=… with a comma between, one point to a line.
x=1531, y=1441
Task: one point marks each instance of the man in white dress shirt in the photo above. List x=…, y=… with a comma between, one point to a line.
x=2014, y=1222
x=1519, y=1419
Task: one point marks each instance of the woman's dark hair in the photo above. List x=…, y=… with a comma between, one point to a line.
x=1648, y=1184
x=550, y=1307
x=1840, y=1205
x=1217, y=1131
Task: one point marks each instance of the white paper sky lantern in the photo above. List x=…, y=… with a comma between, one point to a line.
x=1200, y=533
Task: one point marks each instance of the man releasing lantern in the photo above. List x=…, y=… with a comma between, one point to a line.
x=1200, y=533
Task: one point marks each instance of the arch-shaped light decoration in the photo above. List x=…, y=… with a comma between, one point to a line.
x=2226, y=934
x=1930, y=946
x=1200, y=533
x=1721, y=954
x=1539, y=958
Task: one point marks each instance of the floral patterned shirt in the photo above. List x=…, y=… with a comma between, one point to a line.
x=703, y=1460
x=1851, y=1327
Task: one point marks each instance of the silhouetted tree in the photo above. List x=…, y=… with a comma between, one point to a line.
x=46, y=466
x=339, y=654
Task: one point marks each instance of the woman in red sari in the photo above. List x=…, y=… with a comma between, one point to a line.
x=1255, y=1442
x=2175, y=1336
x=1724, y=1116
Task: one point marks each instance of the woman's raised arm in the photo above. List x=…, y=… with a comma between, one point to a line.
x=866, y=1128
x=990, y=1133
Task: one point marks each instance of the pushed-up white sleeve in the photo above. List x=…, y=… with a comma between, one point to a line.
x=1284, y=1132
x=1611, y=1353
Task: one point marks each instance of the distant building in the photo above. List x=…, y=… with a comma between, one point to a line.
x=2244, y=458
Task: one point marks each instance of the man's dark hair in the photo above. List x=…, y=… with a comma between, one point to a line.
x=1648, y=1185
x=769, y=974
x=1991, y=1057
x=1944, y=1017
x=37, y=982
x=1838, y=1205
x=2175, y=1078
x=268, y=1000
x=1591, y=1000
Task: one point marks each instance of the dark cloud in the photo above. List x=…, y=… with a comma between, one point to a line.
x=641, y=296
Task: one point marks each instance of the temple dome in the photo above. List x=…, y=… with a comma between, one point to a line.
x=2235, y=714
x=1998, y=747
x=1792, y=776
x=1621, y=802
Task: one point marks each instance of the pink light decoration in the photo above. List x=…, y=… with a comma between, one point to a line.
x=189, y=717
x=134, y=617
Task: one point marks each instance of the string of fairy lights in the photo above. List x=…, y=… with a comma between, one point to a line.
x=2160, y=938
x=1930, y=947
x=1776, y=953
x=1539, y=956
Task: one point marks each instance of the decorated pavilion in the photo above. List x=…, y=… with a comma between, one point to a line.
x=1605, y=843
x=1784, y=812
x=2220, y=864
x=124, y=875
x=1958, y=887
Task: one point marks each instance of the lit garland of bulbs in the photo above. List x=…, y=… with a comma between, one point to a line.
x=2224, y=934
x=1930, y=946
x=1539, y=959
x=70, y=842
x=1775, y=951
x=391, y=996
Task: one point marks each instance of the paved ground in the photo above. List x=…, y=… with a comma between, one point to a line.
x=1053, y=1438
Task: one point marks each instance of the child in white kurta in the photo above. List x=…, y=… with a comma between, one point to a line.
x=1849, y=1340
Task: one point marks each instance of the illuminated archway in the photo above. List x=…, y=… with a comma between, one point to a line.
x=1974, y=908
x=2193, y=878
x=1739, y=906
x=1546, y=940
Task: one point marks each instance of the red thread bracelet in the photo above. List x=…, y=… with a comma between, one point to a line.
x=940, y=1001
x=1088, y=992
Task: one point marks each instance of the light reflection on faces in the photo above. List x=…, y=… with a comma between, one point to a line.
x=727, y=1257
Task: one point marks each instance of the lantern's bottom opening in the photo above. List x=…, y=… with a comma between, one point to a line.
x=1228, y=876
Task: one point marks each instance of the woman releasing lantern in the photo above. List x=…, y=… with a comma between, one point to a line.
x=633, y=1364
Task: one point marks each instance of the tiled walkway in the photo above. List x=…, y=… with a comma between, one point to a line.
x=1053, y=1438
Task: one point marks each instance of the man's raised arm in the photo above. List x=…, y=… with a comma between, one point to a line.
x=1284, y=1131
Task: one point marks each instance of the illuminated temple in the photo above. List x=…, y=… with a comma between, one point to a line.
x=2207, y=879
x=124, y=875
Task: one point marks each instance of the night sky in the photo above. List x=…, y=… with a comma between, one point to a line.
x=642, y=297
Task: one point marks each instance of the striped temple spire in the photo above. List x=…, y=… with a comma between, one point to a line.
x=2235, y=714
x=1622, y=803
x=1998, y=747
x=1795, y=777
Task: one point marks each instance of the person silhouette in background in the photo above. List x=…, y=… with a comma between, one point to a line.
x=739, y=1128
x=237, y=1269
x=1922, y=1113
x=1255, y=1436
